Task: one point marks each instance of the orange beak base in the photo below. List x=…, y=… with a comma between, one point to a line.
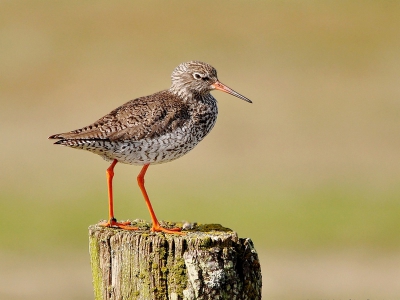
x=222, y=87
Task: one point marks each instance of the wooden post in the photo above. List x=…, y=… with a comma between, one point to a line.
x=208, y=262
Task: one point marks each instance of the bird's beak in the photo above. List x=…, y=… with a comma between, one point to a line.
x=222, y=87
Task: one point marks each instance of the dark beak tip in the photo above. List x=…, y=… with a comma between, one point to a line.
x=246, y=99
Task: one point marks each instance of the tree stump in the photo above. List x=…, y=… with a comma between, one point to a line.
x=208, y=262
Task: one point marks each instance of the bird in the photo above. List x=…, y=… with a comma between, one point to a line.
x=153, y=129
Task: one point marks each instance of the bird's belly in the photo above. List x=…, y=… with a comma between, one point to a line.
x=154, y=150
x=158, y=150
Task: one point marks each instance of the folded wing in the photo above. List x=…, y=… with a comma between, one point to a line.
x=145, y=117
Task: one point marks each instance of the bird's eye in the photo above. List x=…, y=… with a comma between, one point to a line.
x=196, y=76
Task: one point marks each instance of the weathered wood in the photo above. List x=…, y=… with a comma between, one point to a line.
x=208, y=262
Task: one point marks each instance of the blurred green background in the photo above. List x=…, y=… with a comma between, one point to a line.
x=310, y=171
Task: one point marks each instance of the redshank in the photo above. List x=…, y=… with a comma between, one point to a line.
x=153, y=129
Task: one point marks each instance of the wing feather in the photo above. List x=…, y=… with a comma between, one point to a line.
x=145, y=117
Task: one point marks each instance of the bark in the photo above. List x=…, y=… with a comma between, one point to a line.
x=208, y=262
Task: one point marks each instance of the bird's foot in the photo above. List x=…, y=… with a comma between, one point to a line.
x=158, y=228
x=123, y=225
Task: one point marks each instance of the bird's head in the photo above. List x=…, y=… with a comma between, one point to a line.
x=196, y=77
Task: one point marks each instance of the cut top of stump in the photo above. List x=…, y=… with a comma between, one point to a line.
x=208, y=262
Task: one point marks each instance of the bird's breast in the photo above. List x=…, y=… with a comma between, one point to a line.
x=203, y=115
x=167, y=144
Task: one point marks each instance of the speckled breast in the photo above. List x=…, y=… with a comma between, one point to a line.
x=164, y=148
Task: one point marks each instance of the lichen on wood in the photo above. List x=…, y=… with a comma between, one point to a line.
x=208, y=262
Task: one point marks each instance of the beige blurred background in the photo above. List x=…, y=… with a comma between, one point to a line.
x=310, y=171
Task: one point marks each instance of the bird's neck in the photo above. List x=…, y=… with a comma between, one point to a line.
x=189, y=96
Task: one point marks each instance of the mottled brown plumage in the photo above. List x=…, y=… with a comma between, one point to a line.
x=156, y=128
x=144, y=117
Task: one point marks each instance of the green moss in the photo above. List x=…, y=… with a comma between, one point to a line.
x=205, y=243
x=212, y=227
x=162, y=252
x=170, y=224
x=96, y=271
x=159, y=293
x=179, y=276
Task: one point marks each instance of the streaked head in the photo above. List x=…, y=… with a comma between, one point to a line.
x=199, y=77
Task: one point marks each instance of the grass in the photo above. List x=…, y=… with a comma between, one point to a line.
x=329, y=218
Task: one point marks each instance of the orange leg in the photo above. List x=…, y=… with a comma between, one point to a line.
x=156, y=225
x=111, y=219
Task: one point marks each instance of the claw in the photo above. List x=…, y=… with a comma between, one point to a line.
x=122, y=225
x=158, y=228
